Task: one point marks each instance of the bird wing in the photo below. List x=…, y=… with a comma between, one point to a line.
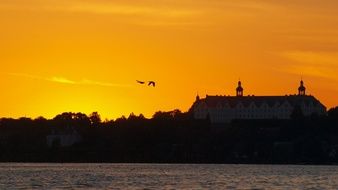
x=151, y=83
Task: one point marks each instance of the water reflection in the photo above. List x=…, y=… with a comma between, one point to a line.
x=166, y=176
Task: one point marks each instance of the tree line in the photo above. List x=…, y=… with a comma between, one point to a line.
x=172, y=137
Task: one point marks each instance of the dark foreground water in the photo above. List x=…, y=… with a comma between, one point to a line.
x=166, y=176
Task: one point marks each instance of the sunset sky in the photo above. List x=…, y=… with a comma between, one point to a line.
x=86, y=55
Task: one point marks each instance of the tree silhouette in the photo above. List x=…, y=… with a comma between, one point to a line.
x=172, y=136
x=95, y=119
x=333, y=113
x=170, y=115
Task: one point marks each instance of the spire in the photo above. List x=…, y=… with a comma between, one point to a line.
x=197, y=97
x=301, y=89
x=239, y=89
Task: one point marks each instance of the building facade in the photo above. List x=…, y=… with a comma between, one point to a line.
x=64, y=138
x=224, y=109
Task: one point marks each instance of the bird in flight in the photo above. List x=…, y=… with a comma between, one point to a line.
x=151, y=83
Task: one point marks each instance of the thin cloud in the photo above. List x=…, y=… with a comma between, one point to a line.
x=109, y=8
x=147, y=14
x=113, y=8
x=153, y=13
x=26, y=76
x=97, y=83
x=318, y=64
x=63, y=80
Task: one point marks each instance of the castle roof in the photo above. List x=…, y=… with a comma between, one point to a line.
x=246, y=101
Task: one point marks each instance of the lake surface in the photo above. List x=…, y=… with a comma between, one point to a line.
x=166, y=176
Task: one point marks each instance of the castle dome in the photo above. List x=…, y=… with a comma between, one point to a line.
x=239, y=89
x=301, y=88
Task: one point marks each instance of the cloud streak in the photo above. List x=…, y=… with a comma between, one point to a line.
x=104, y=7
x=109, y=8
x=146, y=13
x=63, y=80
x=318, y=64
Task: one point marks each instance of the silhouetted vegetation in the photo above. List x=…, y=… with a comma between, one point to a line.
x=170, y=137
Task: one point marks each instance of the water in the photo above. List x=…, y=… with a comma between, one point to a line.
x=166, y=176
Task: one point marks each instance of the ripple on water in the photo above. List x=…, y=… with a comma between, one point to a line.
x=166, y=176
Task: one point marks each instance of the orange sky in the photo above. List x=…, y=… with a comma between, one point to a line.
x=85, y=55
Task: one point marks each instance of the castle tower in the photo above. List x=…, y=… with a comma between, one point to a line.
x=301, y=89
x=239, y=89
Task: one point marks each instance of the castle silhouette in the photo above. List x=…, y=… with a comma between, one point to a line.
x=224, y=109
